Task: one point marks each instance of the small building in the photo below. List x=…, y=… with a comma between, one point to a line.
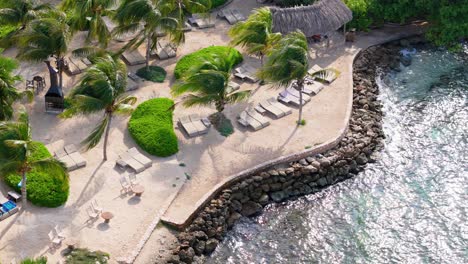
x=54, y=99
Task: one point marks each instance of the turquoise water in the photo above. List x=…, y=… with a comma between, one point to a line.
x=409, y=207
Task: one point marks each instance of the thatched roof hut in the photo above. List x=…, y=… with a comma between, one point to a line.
x=319, y=18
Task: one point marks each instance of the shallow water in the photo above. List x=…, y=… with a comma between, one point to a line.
x=409, y=207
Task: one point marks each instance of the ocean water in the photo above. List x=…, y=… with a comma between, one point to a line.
x=409, y=207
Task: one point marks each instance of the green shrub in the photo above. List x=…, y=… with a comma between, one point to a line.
x=85, y=256
x=222, y=124
x=291, y=3
x=42, y=188
x=40, y=260
x=154, y=74
x=151, y=126
x=361, y=20
x=195, y=58
x=217, y=3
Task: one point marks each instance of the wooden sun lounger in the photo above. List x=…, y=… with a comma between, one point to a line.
x=326, y=79
x=313, y=88
x=227, y=14
x=78, y=159
x=246, y=73
x=278, y=113
x=196, y=121
x=188, y=126
x=71, y=68
x=288, y=98
x=263, y=120
x=140, y=157
x=70, y=164
x=166, y=52
x=246, y=120
x=201, y=21
x=238, y=15
x=286, y=110
x=133, y=57
x=131, y=85
x=126, y=160
x=295, y=93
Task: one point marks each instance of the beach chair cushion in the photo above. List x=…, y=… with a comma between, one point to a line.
x=246, y=120
x=70, y=164
x=286, y=110
x=140, y=157
x=198, y=124
x=133, y=57
x=272, y=109
x=69, y=149
x=78, y=159
x=263, y=120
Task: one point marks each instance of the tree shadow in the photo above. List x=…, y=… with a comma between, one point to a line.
x=12, y=222
x=81, y=197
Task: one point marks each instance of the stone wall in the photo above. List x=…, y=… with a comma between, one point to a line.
x=247, y=197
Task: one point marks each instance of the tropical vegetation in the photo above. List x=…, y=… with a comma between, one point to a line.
x=88, y=15
x=151, y=126
x=8, y=93
x=45, y=37
x=255, y=34
x=287, y=62
x=40, y=260
x=101, y=89
x=85, y=256
x=152, y=73
x=196, y=59
x=27, y=165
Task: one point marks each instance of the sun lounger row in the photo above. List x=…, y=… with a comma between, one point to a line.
x=165, y=52
x=75, y=66
x=133, y=159
x=231, y=15
x=201, y=20
x=71, y=157
x=7, y=208
x=253, y=119
x=291, y=96
x=132, y=81
x=193, y=125
x=246, y=72
x=133, y=57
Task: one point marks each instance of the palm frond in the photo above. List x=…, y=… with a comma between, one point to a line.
x=51, y=165
x=93, y=139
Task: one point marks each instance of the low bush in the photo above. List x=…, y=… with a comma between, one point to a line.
x=85, y=256
x=154, y=74
x=195, y=58
x=151, y=126
x=40, y=260
x=217, y=3
x=42, y=188
x=222, y=124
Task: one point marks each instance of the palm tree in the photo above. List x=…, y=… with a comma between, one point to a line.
x=288, y=62
x=208, y=84
x=88, y=14
x=101, y=88
x=145, y=17
x=8, y=92
x=44, y=37
x=21, y=12
x=255, y=34
x=18, y=152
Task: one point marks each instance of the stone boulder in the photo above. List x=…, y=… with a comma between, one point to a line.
x=211, y=245
x=250, y=208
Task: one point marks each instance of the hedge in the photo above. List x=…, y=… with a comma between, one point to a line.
x=151, y=126
x=42, y=189
x=217, y=3
x=195, y=58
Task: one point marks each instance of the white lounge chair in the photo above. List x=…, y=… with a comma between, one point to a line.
x=124, y=183
x=69, y=149
x=91, y=213
x=276, y=112
x=247, y=120
x=286, y=110
x=296, y=93
x=78, y=159
x=168, y=51
x=246, y=73
x=227, y=14
x=263, y=120
x=58, y=232
x=188, y=126
x=126, y=160
x=312, y=87
x=133, y=57
x=133, y=179
x=202, y=20
x=140, y=157
x=288, y=98
x=96, y=207
x=55, y=242
x=198, y=124
x=238, y=15
x=70, y=164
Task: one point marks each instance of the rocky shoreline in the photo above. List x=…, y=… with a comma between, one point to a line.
x=358, y=147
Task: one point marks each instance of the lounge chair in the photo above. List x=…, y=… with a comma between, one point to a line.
x=202, y=21
x=296, y=93
x=188, y=126
x=263, y=120
x=238, y=15
x=286, y=110
x=126, y=160
x=246, y=73
x=70, y=164
x=78, y=159
x=86, y=61
x=312, y=87
x=71, y=68
x=233, y=86
x=133, y=57
x=58, y=232
x=54, y=241
x=166, y=52
x=246, y=120
x=131, y=85
x=133, y=76
x=187, y=27
x=69, y=149
x=326, y=78
x=196, y=121
x=140, y=157
x=272, y=109
x=227, y=14
x=60, y=153
x=91, y=213
x=96, y=207
x=288, y=98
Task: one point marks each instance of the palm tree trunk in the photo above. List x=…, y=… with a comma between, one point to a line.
x=148, y=50
x=300, y=85
x=23, y=190
x=60, y=62
x=106, y=137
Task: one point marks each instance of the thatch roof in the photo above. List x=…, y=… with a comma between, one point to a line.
x=319, y=18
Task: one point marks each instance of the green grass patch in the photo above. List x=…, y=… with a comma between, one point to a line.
x=42, y=188
x=40, y=260
x=217, y=3
x=151, y=126
x=85, y=256
x=196, y=58
x=154, y=74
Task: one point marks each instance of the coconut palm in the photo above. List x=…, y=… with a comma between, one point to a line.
x=287, y=62
x=208, y=84
x=88, y=14
x=8, y=92
x=20, y=12
x=101, y=89
x=146, y=17
x=45, y=37
x=17, y=150
x=255, y=34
